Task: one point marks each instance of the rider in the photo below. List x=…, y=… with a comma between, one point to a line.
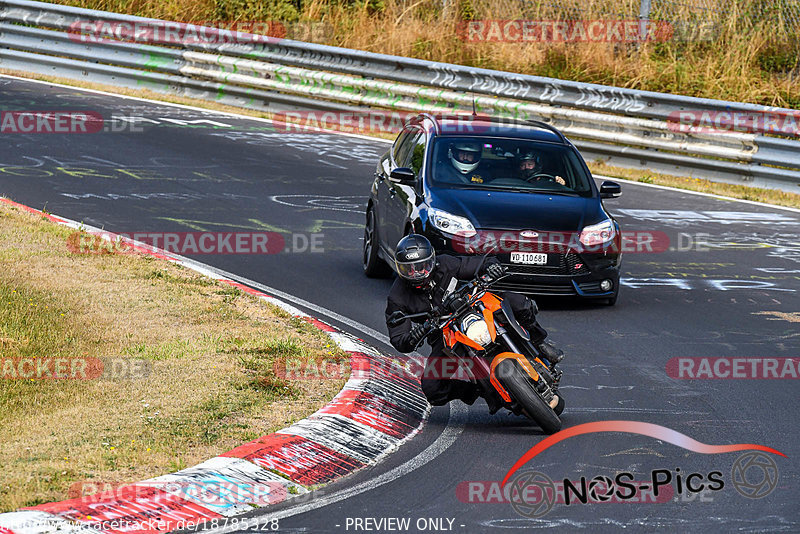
x=423, y=282
x=464, y=158
x=529, y=165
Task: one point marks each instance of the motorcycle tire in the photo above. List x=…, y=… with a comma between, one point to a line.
x=519, y=386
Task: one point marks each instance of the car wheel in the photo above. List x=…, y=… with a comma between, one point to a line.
x=374, y=267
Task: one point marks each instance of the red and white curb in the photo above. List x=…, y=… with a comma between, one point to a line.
x=370, y=418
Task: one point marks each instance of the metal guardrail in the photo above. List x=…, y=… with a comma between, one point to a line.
x=627, y=127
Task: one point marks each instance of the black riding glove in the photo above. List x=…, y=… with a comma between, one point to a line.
x=417, y=333
x=495, y=271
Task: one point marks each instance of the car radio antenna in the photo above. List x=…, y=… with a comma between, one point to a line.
x=474, y=112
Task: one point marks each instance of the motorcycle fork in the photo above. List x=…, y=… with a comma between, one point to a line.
x=545, y=380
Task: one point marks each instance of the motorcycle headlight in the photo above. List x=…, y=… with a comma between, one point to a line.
x=475, y=328
x=451, y=224
x=597, y=234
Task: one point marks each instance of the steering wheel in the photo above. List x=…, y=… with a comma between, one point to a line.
x=550, y=178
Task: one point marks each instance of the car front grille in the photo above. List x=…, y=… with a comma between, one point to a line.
x=535, y=289
x=569, y=264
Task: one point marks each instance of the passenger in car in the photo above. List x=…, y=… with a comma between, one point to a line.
x=463, y=165
x=530, y=168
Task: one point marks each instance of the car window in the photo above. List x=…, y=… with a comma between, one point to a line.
x=398, y=149
x=518, y=164
x=403, y=155
x=417, y=153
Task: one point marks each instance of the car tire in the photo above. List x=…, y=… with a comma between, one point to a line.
x=374, y=266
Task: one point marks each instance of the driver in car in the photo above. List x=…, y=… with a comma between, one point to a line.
x=529, y=165
x=465, y=158
x=424, y=280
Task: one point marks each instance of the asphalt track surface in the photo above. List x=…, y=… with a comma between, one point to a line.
x=735, y=296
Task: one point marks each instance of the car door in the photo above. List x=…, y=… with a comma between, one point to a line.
x=385, y=189
x=401, y=198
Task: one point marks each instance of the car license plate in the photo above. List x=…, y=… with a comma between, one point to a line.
x=529, y=258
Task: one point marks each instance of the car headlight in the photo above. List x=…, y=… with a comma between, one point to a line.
x=475, y=328
x=597, y=234
x=451, y=224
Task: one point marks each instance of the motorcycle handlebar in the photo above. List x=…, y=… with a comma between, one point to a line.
x=397, y=318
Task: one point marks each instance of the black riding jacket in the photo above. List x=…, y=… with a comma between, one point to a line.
x=408, y=299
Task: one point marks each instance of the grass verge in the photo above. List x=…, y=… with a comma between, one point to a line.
x=208, y=351
x=743, y=192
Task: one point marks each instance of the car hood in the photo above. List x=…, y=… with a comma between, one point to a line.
x=519, y=211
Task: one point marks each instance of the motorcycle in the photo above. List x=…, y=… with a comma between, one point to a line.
x=495, y=352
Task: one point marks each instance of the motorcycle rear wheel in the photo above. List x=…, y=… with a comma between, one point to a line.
x=519, y=386
x=560, y=406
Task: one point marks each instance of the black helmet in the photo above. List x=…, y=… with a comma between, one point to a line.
x=415, y=259
x=530, y=164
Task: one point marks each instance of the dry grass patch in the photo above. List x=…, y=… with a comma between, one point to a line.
x=748, y=57
x=210, y=350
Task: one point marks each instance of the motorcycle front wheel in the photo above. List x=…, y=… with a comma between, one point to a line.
x=521, y=388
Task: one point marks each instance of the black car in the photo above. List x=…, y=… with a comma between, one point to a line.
x=519, y=190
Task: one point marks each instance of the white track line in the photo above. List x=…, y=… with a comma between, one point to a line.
x=355, y=325
x=195, y=108
x=455, y=425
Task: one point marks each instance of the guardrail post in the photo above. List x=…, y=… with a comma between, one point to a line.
x=644, y=18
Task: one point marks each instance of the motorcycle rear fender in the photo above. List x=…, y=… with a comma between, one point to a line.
x=523, y=362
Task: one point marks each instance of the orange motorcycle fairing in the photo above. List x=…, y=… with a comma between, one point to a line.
x=453, y=336
x=523, y=362
x=491, y=303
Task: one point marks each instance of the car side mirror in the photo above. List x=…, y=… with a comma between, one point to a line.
x=610, y=190
x=403, y=175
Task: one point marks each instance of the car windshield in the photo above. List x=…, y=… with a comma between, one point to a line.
x=508, y=164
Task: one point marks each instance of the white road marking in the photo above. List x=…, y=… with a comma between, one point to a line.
x=185, y=106
x=455, y=425
x=369, y=138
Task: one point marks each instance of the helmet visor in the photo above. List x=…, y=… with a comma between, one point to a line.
x=417, y=270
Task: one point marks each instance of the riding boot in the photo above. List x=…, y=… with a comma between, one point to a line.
x=550, y=351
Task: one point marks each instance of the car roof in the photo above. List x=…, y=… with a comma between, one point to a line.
x=459, y=125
